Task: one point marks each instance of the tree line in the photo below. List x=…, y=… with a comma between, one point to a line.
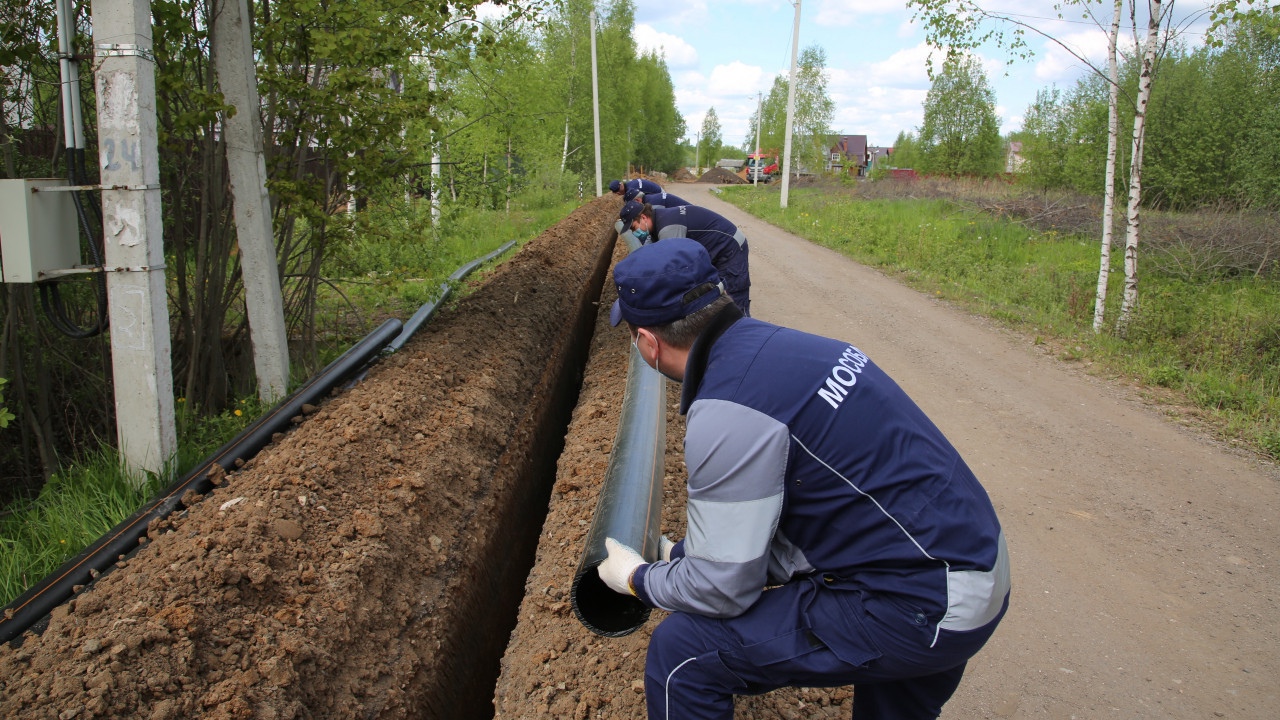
x=370, y=105
x=1213, y=120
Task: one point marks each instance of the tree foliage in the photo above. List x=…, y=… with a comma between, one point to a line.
x=1211, y=127
x=961, y=134
x=812, y=114
x=709, y=140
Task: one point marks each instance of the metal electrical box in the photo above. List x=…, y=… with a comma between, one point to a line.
x=38, y=230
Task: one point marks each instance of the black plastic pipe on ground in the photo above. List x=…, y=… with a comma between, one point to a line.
x=39, y=600
x=424, y=313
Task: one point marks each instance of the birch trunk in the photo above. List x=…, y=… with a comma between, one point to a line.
x=573, y=68
x=1130, y=304
x=1109, y=201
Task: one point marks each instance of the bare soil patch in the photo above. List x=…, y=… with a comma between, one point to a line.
x=721, y=176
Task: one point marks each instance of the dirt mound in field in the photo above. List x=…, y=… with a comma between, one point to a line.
x=721, y=176
x=683, y=175
x=369, y=562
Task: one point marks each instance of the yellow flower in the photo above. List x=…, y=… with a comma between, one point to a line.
x=238, y=413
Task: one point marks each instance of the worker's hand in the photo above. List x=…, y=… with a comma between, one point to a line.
x=665, y=546
x=618, y=566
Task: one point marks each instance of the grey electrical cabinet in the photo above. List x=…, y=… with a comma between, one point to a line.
x=38, y=232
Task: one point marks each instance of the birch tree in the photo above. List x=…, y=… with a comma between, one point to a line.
x=1109, y=191
x=1156, y=16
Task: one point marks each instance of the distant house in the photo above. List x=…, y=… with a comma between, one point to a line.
x=1013, y=160
x=729, y=164
x=878, y=156
x=849, y=154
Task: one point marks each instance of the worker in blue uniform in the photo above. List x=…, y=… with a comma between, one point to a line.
x=725, y=243
x=662, y=199
x=835, y=537
x=646, y=186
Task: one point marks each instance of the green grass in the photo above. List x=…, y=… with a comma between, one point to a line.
x=89, y=497
x=395, y=262
x=1213, y=344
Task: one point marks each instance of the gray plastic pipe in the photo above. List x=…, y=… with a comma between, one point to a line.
x=630, y=506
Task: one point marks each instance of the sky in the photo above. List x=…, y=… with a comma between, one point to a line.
x=721, y=53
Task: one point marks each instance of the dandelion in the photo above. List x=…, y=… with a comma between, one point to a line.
x=238, y=413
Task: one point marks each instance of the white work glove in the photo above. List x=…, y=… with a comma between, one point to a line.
x=664, y=548
x=618, y=566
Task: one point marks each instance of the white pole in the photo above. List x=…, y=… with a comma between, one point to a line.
x=251, y=206
x=791, y=105
x=595, y=103
x=435, y=156
x=756, y=176
x=133, y=244
x=697, y=146
x=72, y=131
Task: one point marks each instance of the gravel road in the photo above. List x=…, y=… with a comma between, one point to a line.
x=1144, y=554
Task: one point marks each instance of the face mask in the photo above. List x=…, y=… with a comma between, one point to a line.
x=641, y=235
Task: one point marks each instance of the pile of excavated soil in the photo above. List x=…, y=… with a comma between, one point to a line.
x=721, y=176
x=370, y=561
x=556, y=668
x=683, y=175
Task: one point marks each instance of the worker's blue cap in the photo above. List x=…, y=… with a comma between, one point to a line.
x=632, y=193
x=662, y=282
x=630, y=211
x=615, y=185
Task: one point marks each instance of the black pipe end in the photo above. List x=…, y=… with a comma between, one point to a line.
x=603, y=611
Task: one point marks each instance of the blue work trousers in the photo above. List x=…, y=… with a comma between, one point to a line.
x=803, y=634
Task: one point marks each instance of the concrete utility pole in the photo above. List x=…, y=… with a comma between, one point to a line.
x=132, y=235
x=247, y=169
x=595, y=103
x=791, y=106
x=755, y=177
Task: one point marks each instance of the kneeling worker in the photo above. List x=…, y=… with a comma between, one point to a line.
x=662, y=199
x=835, y=537
x=725, y=243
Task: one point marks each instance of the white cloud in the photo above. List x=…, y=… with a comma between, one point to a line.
x=1057, y=65
x=843, y=13
x=906, y=67
x=678, y=53
x=737, y=78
